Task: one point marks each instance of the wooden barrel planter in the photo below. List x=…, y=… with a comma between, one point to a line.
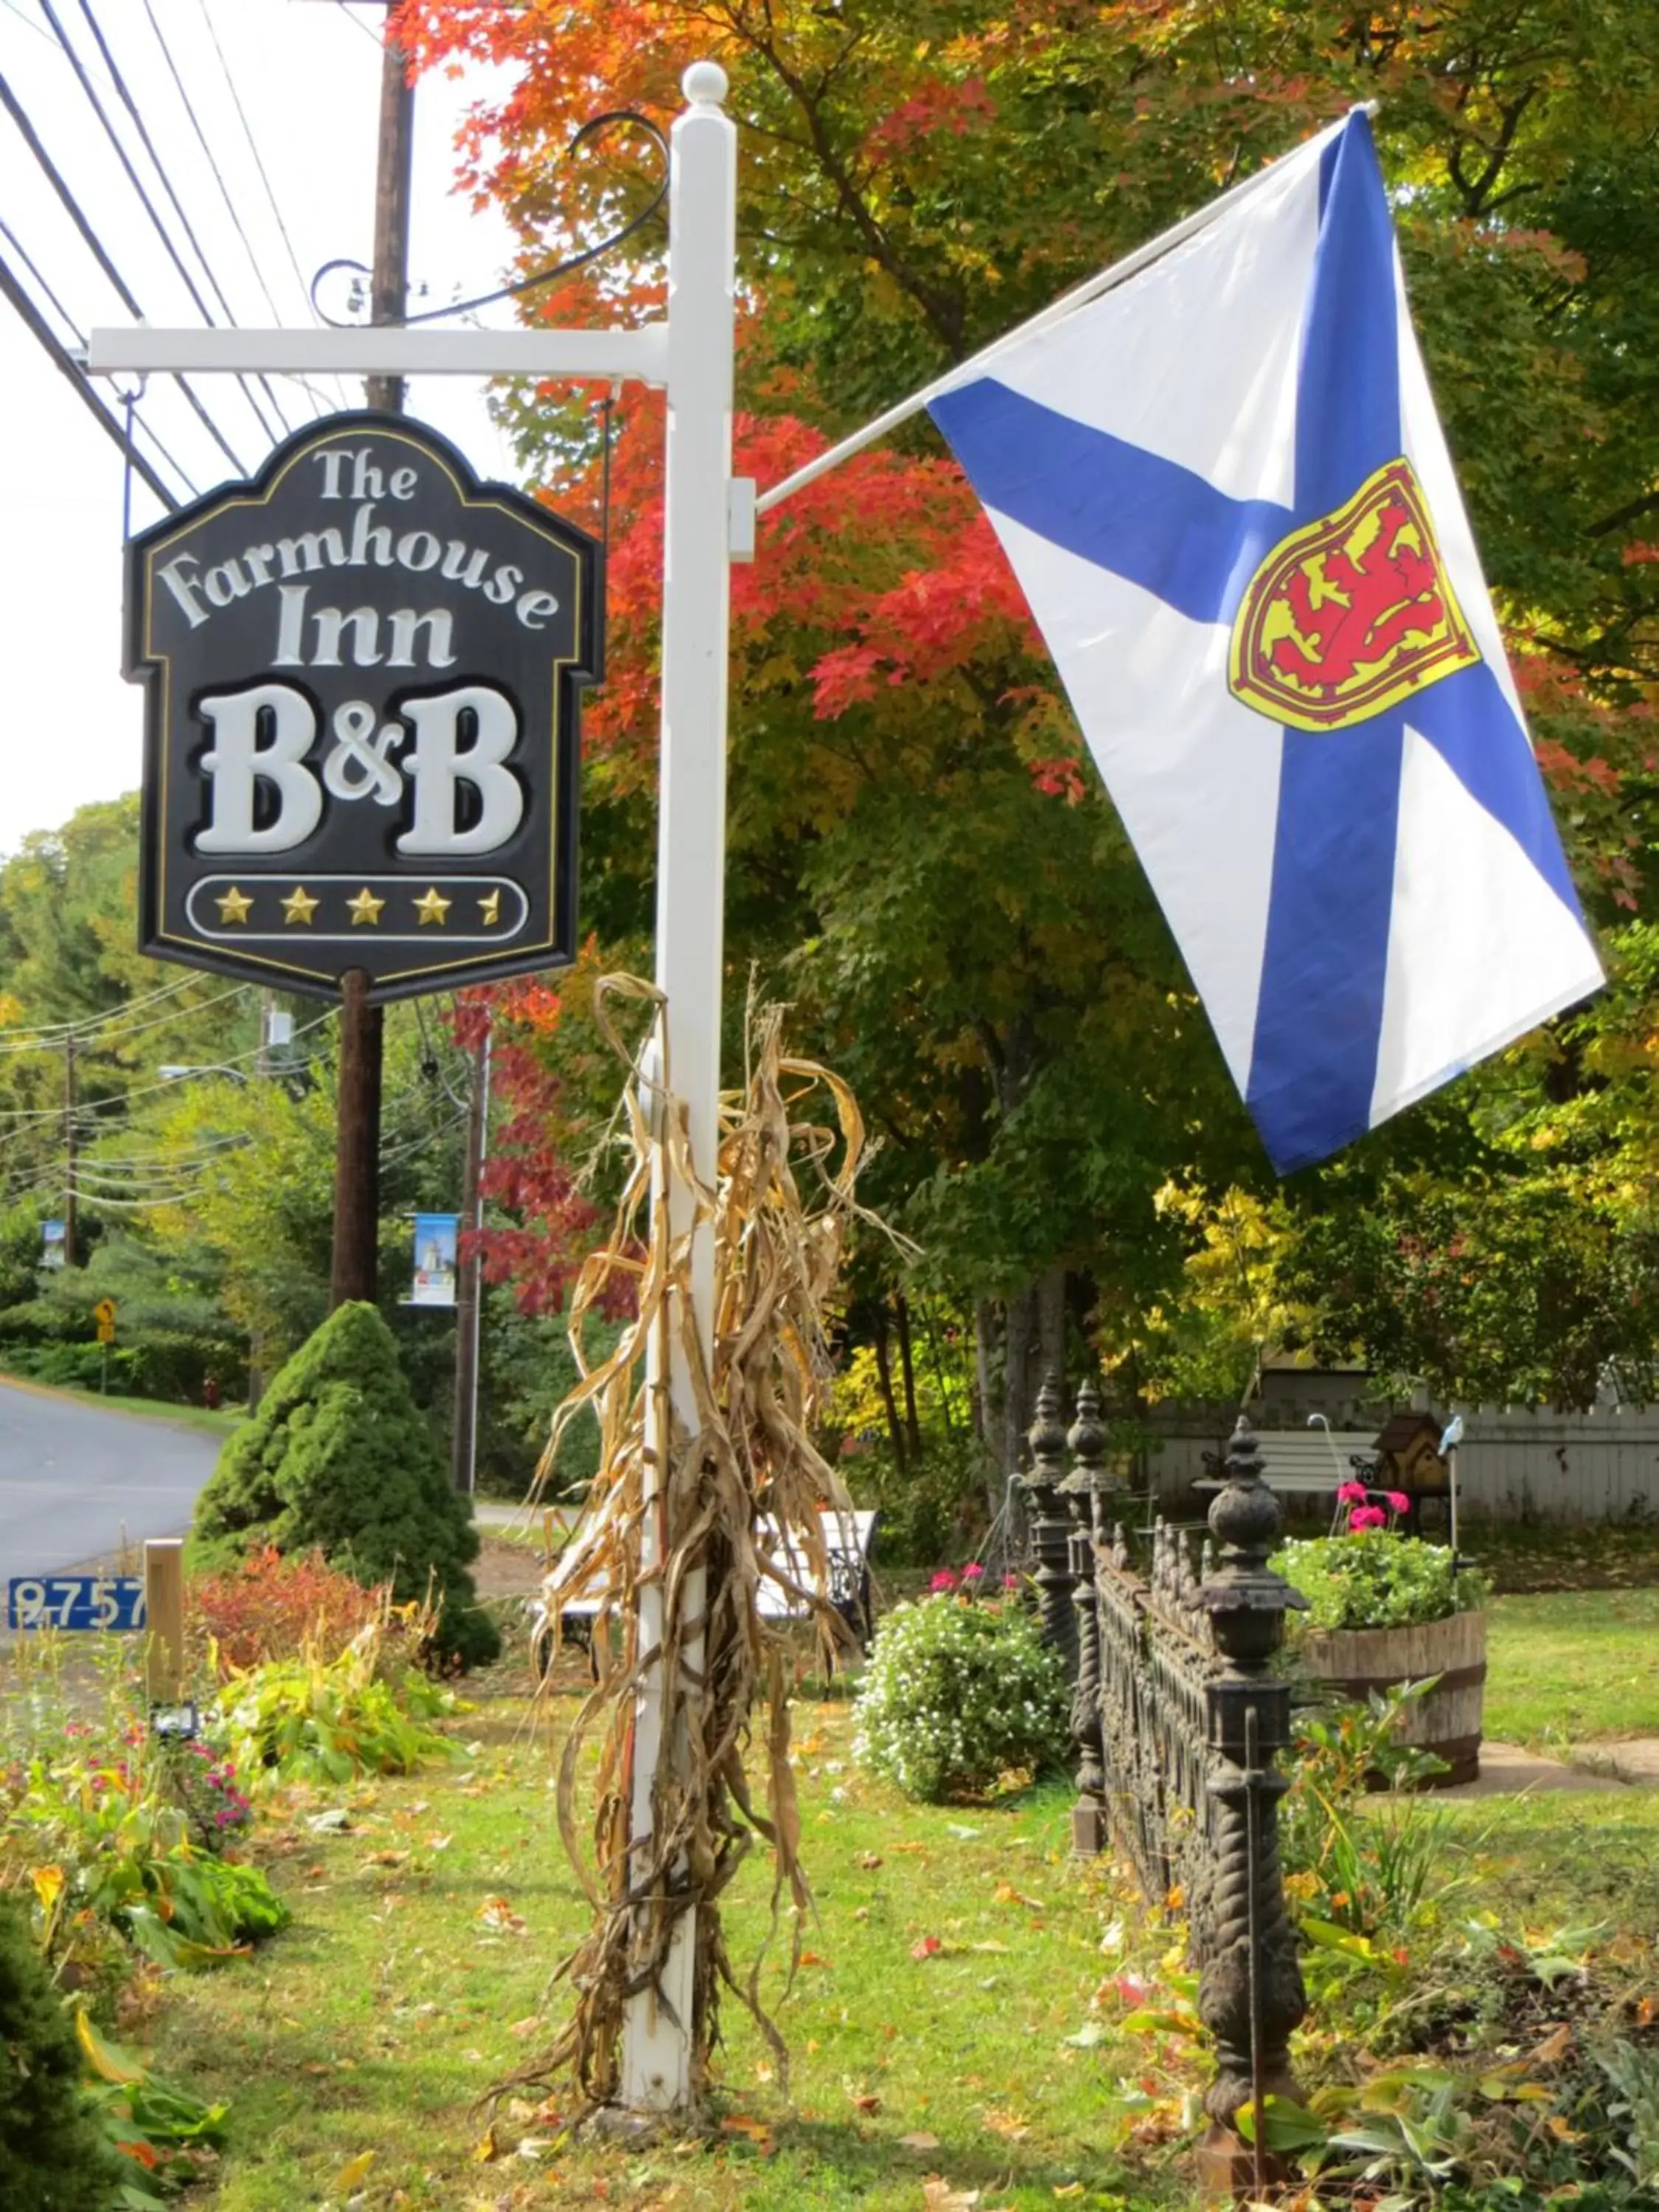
x=1358, y=1662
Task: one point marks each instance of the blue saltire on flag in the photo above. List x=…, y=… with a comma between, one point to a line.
x=1224, y=490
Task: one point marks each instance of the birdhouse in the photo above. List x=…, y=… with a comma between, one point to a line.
x=1408, y=1451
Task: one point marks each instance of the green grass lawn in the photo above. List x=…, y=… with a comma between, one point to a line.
x=416, y=1974
x=957, y=2025
x=1561, y=1858
x=1576, y=1667
x=1537, y=1555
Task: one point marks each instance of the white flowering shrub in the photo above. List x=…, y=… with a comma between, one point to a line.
x=955, y=1694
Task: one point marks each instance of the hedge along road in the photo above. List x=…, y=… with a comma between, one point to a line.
x=77, y=1481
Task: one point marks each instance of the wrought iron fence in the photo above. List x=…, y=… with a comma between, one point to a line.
x=1177, y=1722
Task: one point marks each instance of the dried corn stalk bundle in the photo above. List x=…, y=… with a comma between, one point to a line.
x=677, y=1521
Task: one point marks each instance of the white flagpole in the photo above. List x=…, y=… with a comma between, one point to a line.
x=657, y=2035
x=1092, y=288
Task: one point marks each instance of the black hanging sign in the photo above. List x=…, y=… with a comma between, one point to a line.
x=362, y=672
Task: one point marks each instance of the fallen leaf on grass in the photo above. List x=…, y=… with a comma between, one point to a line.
x=1006, y=1893
x=520, y=2029
x=915, y=1851
x=386, y=1858
x=813, y=1958
x=919, y=2140
x=497, y=1914
x=484, y=2151
x=868, y=1860
x=926, y=1948
x=1008, y=2125
x=354, y=2171
x=756, y=2132
x=1087, y=2036
x=938, y=2195
x=962, y=1835
x=1070, y=2189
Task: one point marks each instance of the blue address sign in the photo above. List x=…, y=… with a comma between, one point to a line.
x=113, y=1602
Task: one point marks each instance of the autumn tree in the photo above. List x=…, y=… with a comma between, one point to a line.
x=919, y=856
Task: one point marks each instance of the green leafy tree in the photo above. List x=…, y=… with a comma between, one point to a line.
x=339, y=1457
x=53, y=2155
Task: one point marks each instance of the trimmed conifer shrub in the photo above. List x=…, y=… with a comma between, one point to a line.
x=54, y=2154
x=339, y=1459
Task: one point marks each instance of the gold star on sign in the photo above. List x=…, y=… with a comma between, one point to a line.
x=299, y=905
x=235, y=906
x=365, y=907
x=432, y=908
x=490, y=909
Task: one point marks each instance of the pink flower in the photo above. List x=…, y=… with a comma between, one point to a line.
x=1352, y=1493
x=1398, y=1501
x=1366, y=1516
x=943, y=1580
x=973, y=1572
x=1011, y=1581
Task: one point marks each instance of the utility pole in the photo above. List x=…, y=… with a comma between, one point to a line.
x=464, y=1447
x=357, y=1153
x=71, y=1143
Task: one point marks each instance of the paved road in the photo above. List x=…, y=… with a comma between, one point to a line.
x=75, y=1480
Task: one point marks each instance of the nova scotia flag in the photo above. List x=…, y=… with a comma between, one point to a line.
x=1224, y=491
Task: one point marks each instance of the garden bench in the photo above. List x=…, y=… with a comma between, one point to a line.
x=1300, y=1462
x=848, y=1540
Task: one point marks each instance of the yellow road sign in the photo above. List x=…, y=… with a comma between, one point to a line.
x=105, y=1310
x=106, y=1331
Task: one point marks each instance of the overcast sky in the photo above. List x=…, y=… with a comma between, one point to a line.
x=307, y=74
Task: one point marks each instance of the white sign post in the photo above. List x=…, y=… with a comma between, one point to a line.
x=708, y=522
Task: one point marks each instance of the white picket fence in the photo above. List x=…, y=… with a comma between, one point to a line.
x=1514, y=1464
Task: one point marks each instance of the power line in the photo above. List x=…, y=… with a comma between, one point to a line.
x=356, y=22
x=79, y=336
x=13, y=7
x=145, y=199
x=95, y=244
x=142, y=129
x=258, y=163
x=103, y=1040
x=149, y=1089
x=231, y=208
x=59, y=1030
x=41, y=330
x=29, y=262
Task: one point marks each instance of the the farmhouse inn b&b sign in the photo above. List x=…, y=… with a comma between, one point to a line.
x=362, y=673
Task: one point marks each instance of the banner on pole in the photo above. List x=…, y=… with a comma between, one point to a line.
x=434, y=1259
x=51, y=1244
x=362, y=672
